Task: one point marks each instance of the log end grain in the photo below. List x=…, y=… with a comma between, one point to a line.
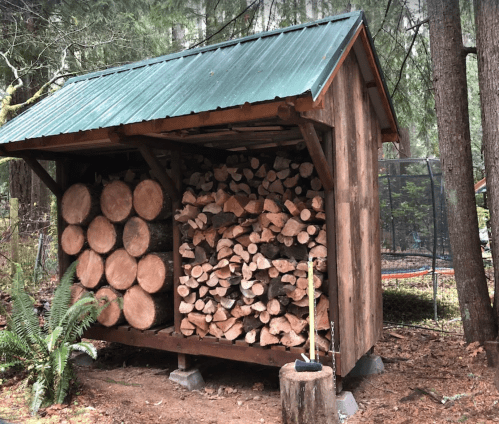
x=143, y=310
x=150, y=201
x=72, y=239
x=116, y=201
x=102, y=235
x=136, y=236
x=77, y=292
x=90, y=269
x=112, y=314
x=155, y=272
x=77, y=204
x=121, y=269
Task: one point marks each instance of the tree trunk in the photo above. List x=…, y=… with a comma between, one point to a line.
x=487, y=33
x=449, y=81
x=20, y=188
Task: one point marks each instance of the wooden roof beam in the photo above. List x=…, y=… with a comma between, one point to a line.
x=40, y=171
x=317, y=155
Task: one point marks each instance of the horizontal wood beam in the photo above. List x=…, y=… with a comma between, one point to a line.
x=160, y=172
x=317, y=154
x=40, y=171
x=389, y=137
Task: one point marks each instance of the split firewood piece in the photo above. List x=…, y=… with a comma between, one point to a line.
x=235, y=174
x=250, y=322
x=189, y=282
x=248, y=174
x=185, y=308
x=78, y=291
x=291, y=181
x=284, y=174
x=320, y=216
x=306, y=169
x=116, y=201
x=252, y=336
x=187, y=250
x=221, y=314
x=121, y=269
x=226, y=324
x=288, y=279
x=259, y=288
x=279, y=325
x=317, y=204
x=267, y=236
x=112, y=314
x=277, y=219
x=155, y=272
x=322, y=316
x=259, y=306
x=203, y=291
x=284, y=265
x=261, y=261
x=254, y=207
x=241, y=310
x=247, y=293
x=141, y=237
x=275, y=308
x=266, y=338
x=221, y=173
x=276, y=187
x=73, y=239
x=227, y=302
x=221, y=196
x=321, y=238
x=262, y=171
x=188, y=198
x=297, y=294
x=186, y=213
x=104, y=236
x=293, y=339
x=151, y=201
x=204, y=199
x=297, y=324
x=236, y=204
x=187, y=328
x=273, y=272
x=90, y=269
x=264, y=317
x=307, y=215
x=80, y=204
x=318, y=251
x=321, y=343
x=183, y=291
x=270, y=206
x=316, y=184
x=239, y=250
x=199, y=320
x=215, y=331
x=303, y=237
x=313, y=230
x=254, y=163
x=281, y=163
x=212, y=208
x=234, y=332
x=143, y=310
x=223, y=219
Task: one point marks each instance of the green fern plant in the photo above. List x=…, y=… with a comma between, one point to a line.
x=44, y=352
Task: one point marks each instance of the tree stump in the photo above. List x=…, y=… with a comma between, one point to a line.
x=121, y=269
x=90, y=269
x=155, y=272
x=141, y=237
x=143, y=310
x=116, y=201
x=151, y=202
x=79, y=204
x=72, y=239
x=112, y=314
x=104, y=236
x=307, y=397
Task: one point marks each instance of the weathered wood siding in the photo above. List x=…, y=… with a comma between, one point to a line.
x=357, y=134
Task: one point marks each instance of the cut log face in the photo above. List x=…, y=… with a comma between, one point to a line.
x=143, y=310
x=116, y=201
x=104, y=236
x=151, y=202
x=79, y=204
x=90, y=269
x=141, y=237
x=77, y=292
x=155, y=272
x=121, y=269
x=112, y=314
x=72, y=239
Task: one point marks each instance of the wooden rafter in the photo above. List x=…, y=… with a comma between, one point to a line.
x=40, y=171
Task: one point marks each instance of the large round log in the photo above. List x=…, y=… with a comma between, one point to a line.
x=72, y=239
x=155, y=272
x=121, y=269
x=116, y=201
x=79, y=204
x=112, y=314
x=143, y=310
x=151, y=201
x=77, y=292
x=104, y=236
x=90, y=269
x=307, y=397
x=141, y=237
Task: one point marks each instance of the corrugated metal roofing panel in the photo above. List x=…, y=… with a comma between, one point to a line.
x=277, y=64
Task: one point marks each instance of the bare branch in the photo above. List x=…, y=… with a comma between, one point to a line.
x=14, y=70
x=384, y=19
x=405, y=60
x=424, y=21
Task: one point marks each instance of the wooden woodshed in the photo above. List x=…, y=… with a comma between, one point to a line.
x=314, y=91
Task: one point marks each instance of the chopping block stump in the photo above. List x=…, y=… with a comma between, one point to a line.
x=307, y=397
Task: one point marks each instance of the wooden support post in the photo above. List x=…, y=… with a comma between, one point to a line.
x=317, y=154
x=62, y=179
x=160, y=172
x=40, y=171
x=307, y=397
x=184, y=361
x=331, y=242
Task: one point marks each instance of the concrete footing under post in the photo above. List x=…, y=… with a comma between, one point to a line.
x=367, y=365
x=346, y=404
x=191, y=379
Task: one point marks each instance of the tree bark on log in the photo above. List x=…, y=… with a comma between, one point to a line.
x=141, y=237
x=121, y=269
x=73, y=239
x=90, y=269
x=104, y=236
x=112, y=314
x=80, y=204
x=116, y=201
x=143, y=310
x=151, y=202
x=155, y=272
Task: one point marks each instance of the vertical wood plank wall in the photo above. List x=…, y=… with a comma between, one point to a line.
x=357, y=212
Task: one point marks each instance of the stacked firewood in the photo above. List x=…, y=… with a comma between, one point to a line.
x=123, y=239
x=248, y=228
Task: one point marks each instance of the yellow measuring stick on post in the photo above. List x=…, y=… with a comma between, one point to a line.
x=311, y=309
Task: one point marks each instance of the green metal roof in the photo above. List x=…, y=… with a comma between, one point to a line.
x=263, y=67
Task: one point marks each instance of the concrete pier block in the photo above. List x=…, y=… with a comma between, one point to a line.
x=346, y=404
x=367, y=365
x=191, y=379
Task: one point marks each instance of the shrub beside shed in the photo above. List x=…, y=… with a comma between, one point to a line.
x=312, y=92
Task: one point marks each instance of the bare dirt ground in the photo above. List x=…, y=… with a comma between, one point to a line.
x=429, y=377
